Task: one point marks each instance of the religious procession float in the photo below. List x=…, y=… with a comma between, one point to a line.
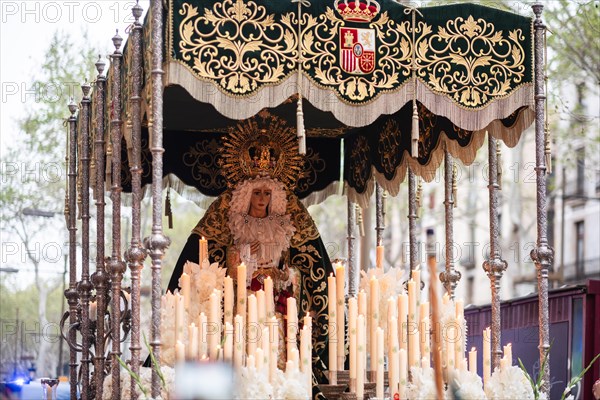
x=264, y=107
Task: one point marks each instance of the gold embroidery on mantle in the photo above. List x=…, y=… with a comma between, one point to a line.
x=227, y=53
x=469, y=60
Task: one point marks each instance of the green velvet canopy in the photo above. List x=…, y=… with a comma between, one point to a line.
x=361, y=68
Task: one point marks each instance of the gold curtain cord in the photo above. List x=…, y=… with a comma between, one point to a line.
x=300, y=131
x=359, y=220
x=414, y=149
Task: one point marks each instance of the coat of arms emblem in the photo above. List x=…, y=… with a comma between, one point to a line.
x=357, y=50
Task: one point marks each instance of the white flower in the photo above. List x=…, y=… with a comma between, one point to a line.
x=467, y=385
x=253, y=384
x=422, y=384
x=509, y=383
x=146, y=381
x=290, y=386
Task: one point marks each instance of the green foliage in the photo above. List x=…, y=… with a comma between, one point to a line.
x=575, y=380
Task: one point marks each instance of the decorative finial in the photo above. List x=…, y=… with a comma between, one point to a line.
x=72, y=107
x=537, y=9
x=85, y=88
x=117, y=41
x=100, y=64
x=137, y=11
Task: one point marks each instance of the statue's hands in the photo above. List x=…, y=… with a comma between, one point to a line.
x=254, y=247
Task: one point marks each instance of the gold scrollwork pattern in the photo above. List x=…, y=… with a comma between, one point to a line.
x=320, y=53
x=427, y=124
x=314, y=164
x=389, y=147
x=214, y=224
x=306, y=230
x=238, y=44
x=361, y=166
x=469, y=60
x=203, y=159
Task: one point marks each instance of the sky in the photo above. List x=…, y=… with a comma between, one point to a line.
x=26, y=28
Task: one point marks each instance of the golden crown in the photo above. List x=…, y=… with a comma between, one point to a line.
x=357, y=10
x=263, y=145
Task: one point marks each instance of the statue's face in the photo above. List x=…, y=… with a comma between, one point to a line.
x=259, y=201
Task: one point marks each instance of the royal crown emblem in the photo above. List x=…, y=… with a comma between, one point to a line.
x=357, y=10
x=357, y=50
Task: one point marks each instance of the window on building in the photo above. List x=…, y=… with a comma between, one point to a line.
x=470, y=287
x=580, y=171
x=579, y=248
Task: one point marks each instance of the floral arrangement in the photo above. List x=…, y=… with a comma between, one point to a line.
x=422, y=384
x=509, y=383
x=144, y=380
x=254, y=384
x=204, y=279
x=465, y=385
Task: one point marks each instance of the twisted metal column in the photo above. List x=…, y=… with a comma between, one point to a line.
x=116, y=265
x=450, y=276
x=71, y=293
x=85, y=285
x=412, y=220
x=495, y=266
x=379, y=222
x=157, y=243
x=100, y=277
x=353, y=273
x=135, y=254
x=543, y=254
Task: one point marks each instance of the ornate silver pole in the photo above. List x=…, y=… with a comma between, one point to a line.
x=412, y=220
x=352, y=267
x=379, y=222
x=116, y=265
x=100, y=277
x=495, y=266
x=85, y=286
x=136, y=253
x=71, y=293
x=450, y=276
x=157, y=243
x=543, y=254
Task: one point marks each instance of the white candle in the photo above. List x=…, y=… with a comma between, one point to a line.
x=274, y=346
x=266, y=346
x=203, y=251
x=261, y=307
x=473, y=360
x=459, y=306
x=341, y=293
x=450, y=339
x=374, y=321
x=305, y=356
x=352, y=318
x=238, y=346
x=403, y=320
x=379, y=257
x=403, y=373
x=487, y=361
x=192, y=341
x=241, y=291
x=259, y=357
x=425, y=349
x=228, y=345
x=202, y=337
x=332, y=322
x=252, y=327
x=228, y=299
x=413, y=332
x=184, y=281
x=179, y=318
x=445, y=298
x=379, y=361
x=93, y=311
x=250, y=363
x=269, y=298
x=508, y=353
x=393, y=360
x=292, y=325
x=179, y=352
x=214, y=325
x=459, y=344
x=424, y=329
x=416, y=276
x=360, y=356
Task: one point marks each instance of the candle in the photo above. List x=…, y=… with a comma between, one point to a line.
x=425, y=343
x=393, y=360
x=445, y=298
x=93, y=311
x=450, y=339
x=238, y=345
x=487, y=362
x=269, y=298
x=361, y=344
x=184, y=281
x=214, y=325
x=362, y=302
x=379, y=362
x=261, y=307
x=508, y=353
x=274, y=346
x=289, y=368
x=266, y=346
x=374, y=321
x=292, y=325
x=403, y=320
x=179, y=352
x=403, y=373
x=459, y=343
x=228, y=299
x=203, y=251
x=391, y=313
x=412, y=329
x=252, y=327
x=179, y=318
x=352, y=318
x=379, y=257
x=228, y=345
x=202, y=338
x=459, y=306
x=305, y=354
x=241, y=291
x=332, y=322
x=340, y=294
x=259, y=359
x=250, y=363
x=424, y=329
x=416, y=276
x=473, y=360
x=192, y=341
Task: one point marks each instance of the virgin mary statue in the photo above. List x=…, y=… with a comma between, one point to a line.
x=259, y=220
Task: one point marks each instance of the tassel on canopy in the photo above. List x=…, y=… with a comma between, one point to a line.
x=300, y=128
